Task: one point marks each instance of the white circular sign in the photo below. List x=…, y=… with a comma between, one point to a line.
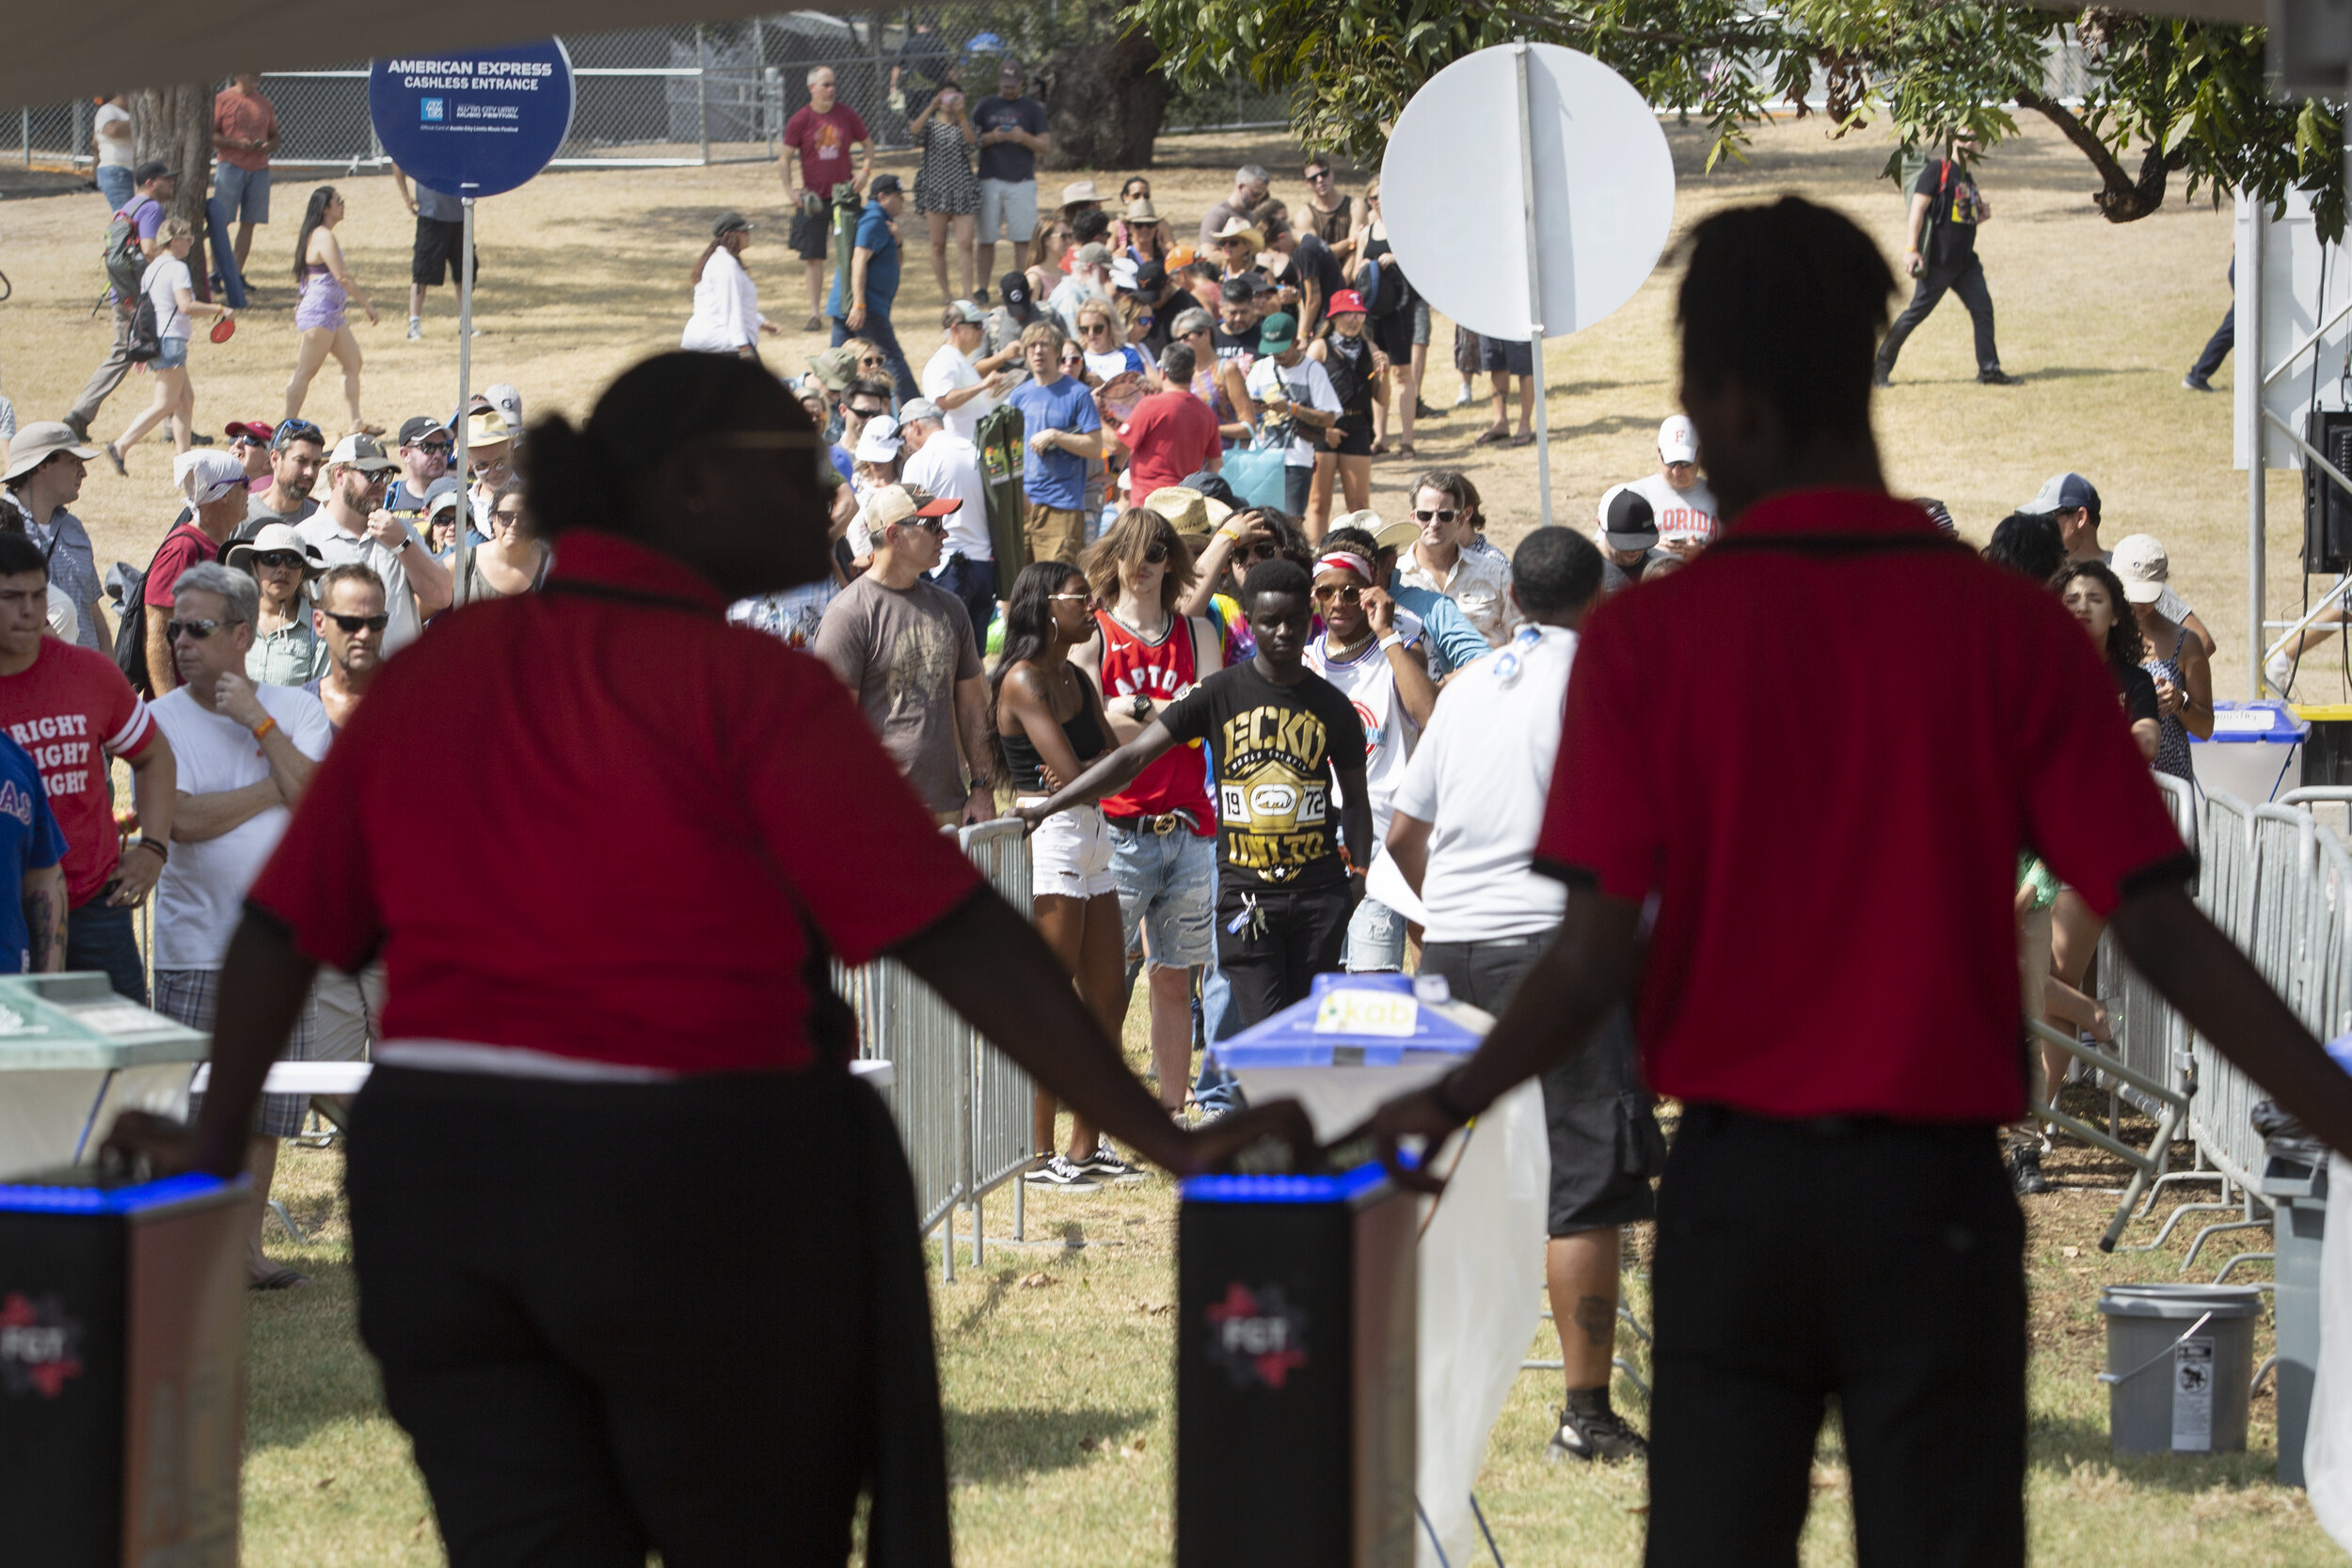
x=1451, y=195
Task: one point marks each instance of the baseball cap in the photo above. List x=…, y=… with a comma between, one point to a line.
x=883, y=184
x=154, y=169
x=1094, y=254
x=1013, y=289
x=1213, y=486
x=880, y=441
x=727, y=223
x=272, y=538
x=443, y=494
x=920, y=408
x=968, y=311
x=1278, y=332
x=257, y=431
x=503, y=396
x=1150, y=277
x=1344, y=302
x=1079, y=190
x=896, y=503
x=1626, y=521
x=2140, y=560
x=2063, y=493
x=1677, y=441
x=204, y=476
x=413, y=430
x=354, y=451
x=36, y=443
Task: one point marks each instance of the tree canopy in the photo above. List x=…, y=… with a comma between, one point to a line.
x=2160, y=96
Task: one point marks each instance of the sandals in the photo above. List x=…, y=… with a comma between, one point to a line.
x=365, y=430
x=1380, y=447
x=281, y=1279
x=113, y=456
x=1405, y=449
x=1524, y=439
x=1492, y=437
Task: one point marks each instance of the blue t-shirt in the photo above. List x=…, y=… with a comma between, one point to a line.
x=842, y=462
x=1054, y=478
x=29, y=841
x=882, y=268
x=1453, y=643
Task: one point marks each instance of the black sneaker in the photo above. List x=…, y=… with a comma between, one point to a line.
x=1105, y=1165
x=2196, y=383
x=1054, y=1171
x=1998, y=378
x=2024, y=1171
x=1585, y=1435
x=1422, y=411
x=1879, y=378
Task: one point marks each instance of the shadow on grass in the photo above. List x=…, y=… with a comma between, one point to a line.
x=987, y=1446
x=2059, y=1444
x=305, y=1366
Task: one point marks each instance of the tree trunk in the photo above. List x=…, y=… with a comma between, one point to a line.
x=2121, y=197
x=1105, y=98
x=176, y=126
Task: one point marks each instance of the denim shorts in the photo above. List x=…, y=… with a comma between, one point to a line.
x=1375, y=940
x=1167, y=893
x=243, y=193
x=174, y=356
x=1070, y=854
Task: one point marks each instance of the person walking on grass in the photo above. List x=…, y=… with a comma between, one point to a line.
x=1718, y=869
x=171, y=292
x=1049, y=721
x=143, y=217
x=327, y=289
x=726, y=317
x=1940, y=252
x=946, y=192
x=438, y=250
x=864, y=292
x=244, y=133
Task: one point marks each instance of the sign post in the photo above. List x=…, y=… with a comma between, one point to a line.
x=1581, y=160
x=472, y=123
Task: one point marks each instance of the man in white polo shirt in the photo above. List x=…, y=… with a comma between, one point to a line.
x=1678, y=498
x=1463, y=832
x=942, y=461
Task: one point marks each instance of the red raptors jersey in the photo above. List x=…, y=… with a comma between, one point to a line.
x=1162, y=670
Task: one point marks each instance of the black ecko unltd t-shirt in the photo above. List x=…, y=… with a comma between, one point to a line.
x=1273, y=746
x=1951, y=227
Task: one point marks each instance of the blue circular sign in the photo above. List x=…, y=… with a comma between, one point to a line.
x=473, y=121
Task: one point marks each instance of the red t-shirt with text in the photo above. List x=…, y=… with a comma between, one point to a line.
x=72, y=710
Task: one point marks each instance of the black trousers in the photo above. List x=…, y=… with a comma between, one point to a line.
x=2224, y=337
x=1967, y=281
x=1879, y=1264
x=688, y=1317
x=1272, y=958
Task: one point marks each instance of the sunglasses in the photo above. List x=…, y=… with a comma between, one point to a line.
x=929, y=525
x=1446, y=516
x=1092, y=328
x=508, y=514
x=437, y=449
x=866, y=413
x=1262, y=549
x=1155, y=553
x=280, y=558
x=1317, y=176
x=360, y=623
x=1341, y=593
x=873, y=359
x=295, y=429
x=198, y=630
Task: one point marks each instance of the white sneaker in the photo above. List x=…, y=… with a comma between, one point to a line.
x=416, y=330
x=1055, y=1171
x=1463, y=398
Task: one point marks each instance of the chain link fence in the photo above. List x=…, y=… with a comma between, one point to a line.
x=693, y=94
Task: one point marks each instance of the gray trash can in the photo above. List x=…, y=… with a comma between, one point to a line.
x=2295, y=1183
x=2180, y=1360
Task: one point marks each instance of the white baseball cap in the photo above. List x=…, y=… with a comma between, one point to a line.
x=1677, y=441
x=2140, y=561
x=879, y=442
x=206, y=475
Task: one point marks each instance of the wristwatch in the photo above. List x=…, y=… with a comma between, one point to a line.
x=1141, y=705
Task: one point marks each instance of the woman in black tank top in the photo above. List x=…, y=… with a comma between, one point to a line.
x=1050, y=724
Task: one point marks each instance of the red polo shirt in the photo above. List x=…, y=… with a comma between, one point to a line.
x=595, y=821
x=1821, y=746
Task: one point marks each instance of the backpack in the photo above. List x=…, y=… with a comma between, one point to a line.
x=126, y=264
x=124, y=583
x=147, y=341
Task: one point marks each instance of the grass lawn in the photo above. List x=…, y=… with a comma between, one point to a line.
x=1056, y=1360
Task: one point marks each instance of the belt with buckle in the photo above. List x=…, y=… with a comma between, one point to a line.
x=1163, y=824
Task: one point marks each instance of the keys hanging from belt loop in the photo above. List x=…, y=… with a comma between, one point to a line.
x=1251, y=921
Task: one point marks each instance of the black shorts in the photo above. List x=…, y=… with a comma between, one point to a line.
x=1604, y=1137
x=439, y=242
x=811, y=231
x=1501, y=357
x=1355, y=436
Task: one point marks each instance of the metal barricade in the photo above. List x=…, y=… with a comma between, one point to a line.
x=961, y=1106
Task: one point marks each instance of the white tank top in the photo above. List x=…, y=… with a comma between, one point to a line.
x=1389, y=732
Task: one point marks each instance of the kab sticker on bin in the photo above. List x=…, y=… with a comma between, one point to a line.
x=1384, y=1014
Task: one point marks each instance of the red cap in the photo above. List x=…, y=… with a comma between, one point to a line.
x=260, y=430
x=1344, y=302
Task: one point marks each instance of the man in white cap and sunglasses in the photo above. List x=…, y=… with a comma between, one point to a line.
x=1681, y=504
x=354, y=526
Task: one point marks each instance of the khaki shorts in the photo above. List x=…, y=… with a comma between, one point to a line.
x=1051, y=533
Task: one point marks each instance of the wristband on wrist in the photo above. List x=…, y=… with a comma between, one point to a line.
x=1393, y=640
x=263, y=729
x=143, y=842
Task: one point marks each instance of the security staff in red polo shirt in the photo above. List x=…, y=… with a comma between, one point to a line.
x=637, y=1255
x=1830, y=985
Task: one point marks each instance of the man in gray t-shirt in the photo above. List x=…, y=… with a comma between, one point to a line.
x=904, y=647
x=1629, y=538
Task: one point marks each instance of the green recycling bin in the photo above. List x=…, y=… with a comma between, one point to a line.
x=74, y=1055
